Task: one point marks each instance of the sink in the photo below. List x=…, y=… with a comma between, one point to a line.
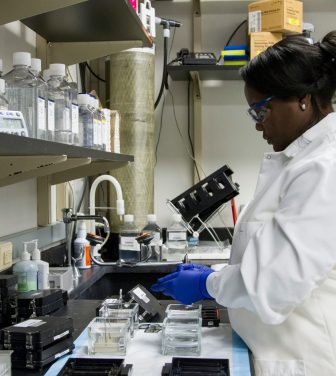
x=111, y=283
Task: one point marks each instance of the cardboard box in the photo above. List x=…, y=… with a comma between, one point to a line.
x=283, y=16
x=259, y=42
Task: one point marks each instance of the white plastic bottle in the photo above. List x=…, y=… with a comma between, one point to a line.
x=20, y=89
x=41, y=92
x=176, y=233
x=50, y=108
x=3, y=99
x=59, y=92
x=26, y=272
x=129, y=248
x=42, y=267
x=153, y=228
x=85, y=120
x=82, y=247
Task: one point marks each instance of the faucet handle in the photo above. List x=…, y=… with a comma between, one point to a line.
x=67, y=213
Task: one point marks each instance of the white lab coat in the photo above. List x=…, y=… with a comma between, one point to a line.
x=280, y=285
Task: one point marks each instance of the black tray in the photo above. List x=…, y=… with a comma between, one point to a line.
x=39, y=333
x=196, y=367
x=42, y=297
x=39, y=364
x=95, y=367
x=25, y=312
x=206, y=197
x=41, y=355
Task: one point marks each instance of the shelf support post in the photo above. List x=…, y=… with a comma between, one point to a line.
x=197, y=97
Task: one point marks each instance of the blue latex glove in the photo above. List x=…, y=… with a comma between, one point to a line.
x=191, y=266
x=186, y=286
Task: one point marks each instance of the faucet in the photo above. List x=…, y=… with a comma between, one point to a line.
x=68, y=218
x=120, y=201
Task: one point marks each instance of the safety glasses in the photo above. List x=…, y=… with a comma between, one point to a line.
x=258, y=111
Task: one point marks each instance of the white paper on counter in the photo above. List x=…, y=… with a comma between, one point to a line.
x=143, y=352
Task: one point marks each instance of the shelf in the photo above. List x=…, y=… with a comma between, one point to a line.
x=23, y=158
x=91, y=21
x=206, y=72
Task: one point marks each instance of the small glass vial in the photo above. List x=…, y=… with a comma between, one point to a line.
x=129, y=248
x=176, y=233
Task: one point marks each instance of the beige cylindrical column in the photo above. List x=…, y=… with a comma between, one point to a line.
x=132, y=94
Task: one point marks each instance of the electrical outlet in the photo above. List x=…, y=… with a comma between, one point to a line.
x=6, y=252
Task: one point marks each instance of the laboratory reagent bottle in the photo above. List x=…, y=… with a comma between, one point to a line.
x=153, y=228
x=176, y=233
x=50, y=108
x=107, y=126
x=42, y=267
x=3, y=99
x=41, y=91
x=81, y=253
x=26, y=272
x=20, y=89
x=76, y=140
x=85, y=120
x=59, y=92
x=129, y=248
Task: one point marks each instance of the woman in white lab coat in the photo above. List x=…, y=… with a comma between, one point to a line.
x=280, y=284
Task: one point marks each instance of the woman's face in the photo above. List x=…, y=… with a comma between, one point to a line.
x=282, y=122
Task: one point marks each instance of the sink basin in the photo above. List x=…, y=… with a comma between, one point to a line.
x=111, y=283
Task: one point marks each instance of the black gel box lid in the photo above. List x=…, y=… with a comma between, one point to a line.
x=36, y=333
x=42, y=297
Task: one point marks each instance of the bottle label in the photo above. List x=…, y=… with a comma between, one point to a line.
x=181, y=235
x=95, y=132
x=41, y=114
x=26, y=281
x=128, y=243
x=74, y=118
x=99, y=133
x=67, y=120
x=51, y=116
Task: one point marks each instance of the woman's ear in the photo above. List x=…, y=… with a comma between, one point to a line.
x=305, y=102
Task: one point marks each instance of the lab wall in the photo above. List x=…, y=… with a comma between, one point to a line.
x=228, y=135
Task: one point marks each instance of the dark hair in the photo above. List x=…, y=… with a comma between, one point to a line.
x=293, y=68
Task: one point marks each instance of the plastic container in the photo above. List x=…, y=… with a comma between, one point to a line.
x=85, y=120
x=129, y=248
x=41, y=92
x=176, y=233
x=82, y=247
x=59, y=92
x=50, y=108
x=117, y=310
x=26, y=272
x=108, y=335
x=181, y=336
x=42, y=268
x=20, y=90
x=153, y=228
x=3, y=99
x=76, y=139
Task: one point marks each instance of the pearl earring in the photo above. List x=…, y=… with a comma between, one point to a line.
x=303, y=106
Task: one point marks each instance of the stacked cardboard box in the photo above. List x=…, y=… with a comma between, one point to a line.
x=268, y=20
